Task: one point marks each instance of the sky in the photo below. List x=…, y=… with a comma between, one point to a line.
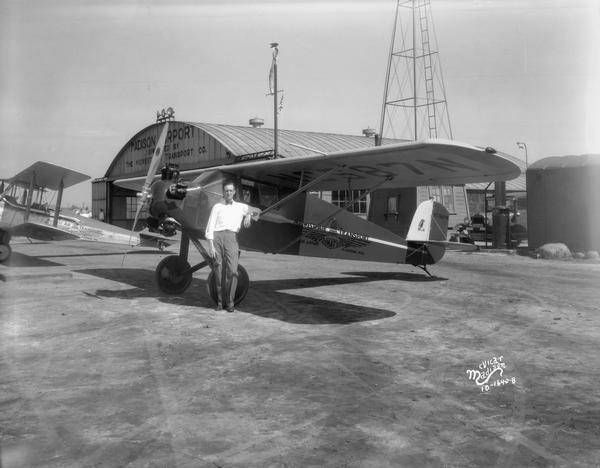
x=79, y=78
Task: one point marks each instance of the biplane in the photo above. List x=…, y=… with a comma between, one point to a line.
x=291, y=219
x=30, y=206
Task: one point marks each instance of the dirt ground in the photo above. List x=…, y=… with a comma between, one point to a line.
x=325, y=364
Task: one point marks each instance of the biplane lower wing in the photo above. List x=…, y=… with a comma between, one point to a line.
x=41, y=232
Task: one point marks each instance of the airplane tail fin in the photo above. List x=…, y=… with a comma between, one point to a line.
x=426, y=236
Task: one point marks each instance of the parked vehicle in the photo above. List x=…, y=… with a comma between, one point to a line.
x=480, y=228
x=461, y=233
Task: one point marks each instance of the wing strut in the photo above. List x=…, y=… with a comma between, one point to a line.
x=302, y=189
x=29, y=198
x=61, y=187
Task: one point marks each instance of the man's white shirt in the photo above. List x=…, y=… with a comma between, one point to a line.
x=226, y=217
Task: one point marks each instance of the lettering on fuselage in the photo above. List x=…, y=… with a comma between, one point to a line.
x=314, y=234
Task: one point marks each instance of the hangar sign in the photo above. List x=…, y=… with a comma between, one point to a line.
x=186, y=146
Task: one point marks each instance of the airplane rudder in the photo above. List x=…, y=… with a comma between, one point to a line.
x=430, y=222
x=439, y=225
x=421, y=222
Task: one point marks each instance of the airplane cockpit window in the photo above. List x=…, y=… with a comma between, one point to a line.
x=257, y=194
x=246, y=195
x=267, y=195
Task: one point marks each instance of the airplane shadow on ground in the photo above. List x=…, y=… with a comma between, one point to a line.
x=108, y=254
x=19, y=260
x=265, y=297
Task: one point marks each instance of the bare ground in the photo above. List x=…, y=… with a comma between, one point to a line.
x=325, y=363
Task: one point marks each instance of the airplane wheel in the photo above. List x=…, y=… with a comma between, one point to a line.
x=5, y=252
x=5, y=237
x=171, y=275
x=241, y=290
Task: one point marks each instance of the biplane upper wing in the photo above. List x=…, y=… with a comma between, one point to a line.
x=410, y=164
x=48, y=175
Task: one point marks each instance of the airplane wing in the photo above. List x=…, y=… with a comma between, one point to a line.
x=409, y=164
x=41, y=232
x=48, y=175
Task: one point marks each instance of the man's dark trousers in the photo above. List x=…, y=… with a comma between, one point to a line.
x=228, y=253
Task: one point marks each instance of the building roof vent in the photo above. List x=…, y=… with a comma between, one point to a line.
x=369, y=132
x=256, y=122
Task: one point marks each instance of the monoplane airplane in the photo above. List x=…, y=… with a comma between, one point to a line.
x=292, y=220
x=25, y=211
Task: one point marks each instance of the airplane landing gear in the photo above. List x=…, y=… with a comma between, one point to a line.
x=424, y=268
x=173, y=275
x=240, y=292
x=5, y=252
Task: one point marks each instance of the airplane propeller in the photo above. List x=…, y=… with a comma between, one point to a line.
x=144, y=195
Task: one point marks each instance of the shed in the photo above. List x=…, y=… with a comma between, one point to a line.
x=563, y=194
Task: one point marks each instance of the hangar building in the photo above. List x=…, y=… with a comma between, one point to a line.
x=199, y=145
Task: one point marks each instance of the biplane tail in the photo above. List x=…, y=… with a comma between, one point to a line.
x=426, y=238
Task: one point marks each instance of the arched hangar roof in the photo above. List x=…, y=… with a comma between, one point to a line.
x=245, y=140
x=194, y=145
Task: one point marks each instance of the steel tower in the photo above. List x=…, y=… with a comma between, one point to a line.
x=414, y=99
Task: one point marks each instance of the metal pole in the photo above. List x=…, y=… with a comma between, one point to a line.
x=275, y=107
x=414, y=39
x=273, y=77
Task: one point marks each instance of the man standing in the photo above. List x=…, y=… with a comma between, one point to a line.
x=221, y=232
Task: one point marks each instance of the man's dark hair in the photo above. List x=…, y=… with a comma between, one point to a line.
x=228, y=182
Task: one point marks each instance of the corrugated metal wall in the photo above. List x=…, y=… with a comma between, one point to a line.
x=563, y=195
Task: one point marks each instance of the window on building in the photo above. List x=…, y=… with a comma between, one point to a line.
x=448, y=198
x=131, y=208
x=392, y=205
x=342, y=197
x=444, y=195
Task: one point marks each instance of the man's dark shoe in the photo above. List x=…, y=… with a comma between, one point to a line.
x=230, y=309
x=219, y=306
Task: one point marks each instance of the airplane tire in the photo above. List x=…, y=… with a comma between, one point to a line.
x=240, y=292
x=169, y=276
x=5, y=237
x=5, y=252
